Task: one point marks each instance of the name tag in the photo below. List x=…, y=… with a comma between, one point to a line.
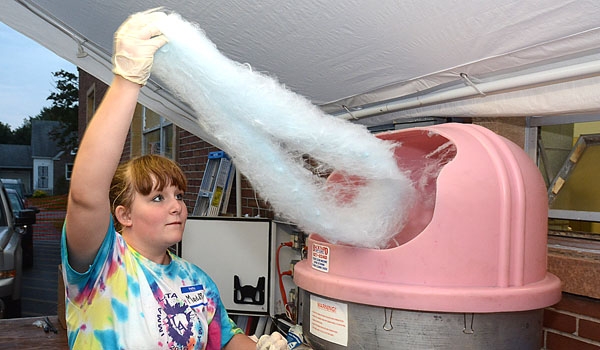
x=194, y=295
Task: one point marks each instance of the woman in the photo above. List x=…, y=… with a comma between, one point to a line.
x=124, y=289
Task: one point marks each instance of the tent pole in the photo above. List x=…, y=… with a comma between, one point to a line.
x=547, y=77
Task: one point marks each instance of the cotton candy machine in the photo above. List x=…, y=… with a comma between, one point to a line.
x=468, y=271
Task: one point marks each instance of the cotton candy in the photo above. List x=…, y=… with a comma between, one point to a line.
x=269, y=131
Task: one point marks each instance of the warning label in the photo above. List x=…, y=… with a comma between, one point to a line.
x=320, y=257
x=329, y=320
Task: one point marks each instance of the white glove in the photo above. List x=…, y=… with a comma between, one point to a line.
x=275, y=341
x=135, y=43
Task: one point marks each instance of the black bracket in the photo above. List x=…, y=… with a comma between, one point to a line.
x=249, y=294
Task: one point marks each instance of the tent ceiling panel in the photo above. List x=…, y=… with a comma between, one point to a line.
x=349, y=55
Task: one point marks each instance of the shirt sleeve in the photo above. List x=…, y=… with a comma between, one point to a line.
x=78, y=283
x=221, y=328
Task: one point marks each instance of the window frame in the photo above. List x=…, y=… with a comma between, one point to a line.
x=68, y=170
x=162, y=128
x=533, y=126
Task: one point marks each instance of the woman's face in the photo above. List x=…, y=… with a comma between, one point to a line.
x=158, y=219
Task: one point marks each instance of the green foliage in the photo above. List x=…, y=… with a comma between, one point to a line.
x=22, y=134
x=19, y=136
x=67, y=94
x=64, y=109
x=6, y=134
x=39, y=194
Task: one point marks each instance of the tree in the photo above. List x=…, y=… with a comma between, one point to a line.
x=22, y=134
x=6, y=134
x=64, y=110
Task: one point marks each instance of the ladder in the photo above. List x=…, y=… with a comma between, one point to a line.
x=216, y=185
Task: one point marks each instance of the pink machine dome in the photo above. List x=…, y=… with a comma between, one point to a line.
x=475, y=241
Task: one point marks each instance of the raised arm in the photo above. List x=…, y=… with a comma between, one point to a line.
x=88, y=209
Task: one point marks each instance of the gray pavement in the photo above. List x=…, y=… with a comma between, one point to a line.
x=40, y=282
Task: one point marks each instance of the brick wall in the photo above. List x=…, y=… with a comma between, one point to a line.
x=572, y=324
x=98, y=88
x=252, y=204
x=193, y=156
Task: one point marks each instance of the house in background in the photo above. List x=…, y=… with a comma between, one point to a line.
x=16, y=163
x=42, y=165
x=51, y=166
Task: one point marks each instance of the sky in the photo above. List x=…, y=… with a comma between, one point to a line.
x=26, y=79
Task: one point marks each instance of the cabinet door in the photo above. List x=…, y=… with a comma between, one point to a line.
x=236, y=254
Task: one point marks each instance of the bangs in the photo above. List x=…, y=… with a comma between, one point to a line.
x=150, y=173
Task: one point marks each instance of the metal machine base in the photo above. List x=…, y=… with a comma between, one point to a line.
x=370, y=327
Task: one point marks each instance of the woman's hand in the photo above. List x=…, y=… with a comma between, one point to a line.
x=135, y=43
x=275, y=341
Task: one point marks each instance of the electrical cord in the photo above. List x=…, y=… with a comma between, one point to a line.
x=280, y=275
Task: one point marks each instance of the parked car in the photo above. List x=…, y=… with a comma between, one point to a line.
x=15, y=184
x=19, y=209
x=11, y=255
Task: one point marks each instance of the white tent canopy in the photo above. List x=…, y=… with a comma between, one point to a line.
x=371, y=61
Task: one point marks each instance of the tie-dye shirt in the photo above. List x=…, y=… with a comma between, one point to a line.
x=125, y=301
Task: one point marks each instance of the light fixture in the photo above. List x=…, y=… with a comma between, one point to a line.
x=80, y=52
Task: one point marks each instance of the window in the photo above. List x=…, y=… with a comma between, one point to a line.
x=568, y=155
x=68, y=170
x=157, y=134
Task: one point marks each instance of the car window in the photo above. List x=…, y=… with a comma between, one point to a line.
x=15, y=202
x=15, y=185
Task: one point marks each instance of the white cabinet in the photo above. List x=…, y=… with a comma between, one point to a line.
x=236, y=253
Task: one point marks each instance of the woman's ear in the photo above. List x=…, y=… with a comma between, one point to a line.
x=123, y=215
